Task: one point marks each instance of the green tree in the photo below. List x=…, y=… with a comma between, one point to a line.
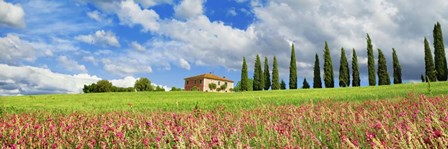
x=328, y=68
x=267, y=75
x=355, y=75
x=244, y=77
x=175, y=89
x=370, y=62
x=430, y=70
x=104, y=86
x=194, y=88
x=439, y=54
x=344, y=74
x=212, y=86
x=293, y=70
x=317, y=81
x=423, y=78
x=258, y=75
x=275, y=75
x=305, y=84
x=283, y=85
x=397, y=68
x=143, y=84
x=383, y=75
x=238, y=85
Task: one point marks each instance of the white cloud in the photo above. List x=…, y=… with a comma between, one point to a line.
x=71, y=65
x=184, y=64
x=122, y=66
x=11, y=14
x=100, y=37
x=189, y=9
x=232, y=12
x=150, y=3
x=99, y=17
x=135, y=45
x=130, y=13
x=128, y=81
x=14, y=50
x=32, y=80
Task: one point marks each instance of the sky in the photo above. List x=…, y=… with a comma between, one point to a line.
x=53, y=46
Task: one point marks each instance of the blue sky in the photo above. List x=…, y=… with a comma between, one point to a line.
x=58, y=46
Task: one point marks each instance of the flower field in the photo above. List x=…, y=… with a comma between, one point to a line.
x=412, y=122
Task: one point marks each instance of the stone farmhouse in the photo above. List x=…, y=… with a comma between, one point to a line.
x=202, y=83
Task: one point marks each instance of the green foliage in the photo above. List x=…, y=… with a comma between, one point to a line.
x=344, y=74
x=212, y=86
x=293, y=70
x=258, y=75
x=143, y=84
x=430, y=70
x=397, y=68
x=250, y=83
x=275, y=75
x=194, y=88
x=317, y=81
x=355, y=69
x=328, y=68
x=244, y=86
x=104, y=86
x=223, y=87
x=383, y=75
x=283, y=85
x=370, y=62
x=267, y=75
x=305, y=85
x=175, y=89
x=439, y=54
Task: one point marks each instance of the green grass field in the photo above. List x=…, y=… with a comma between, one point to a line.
x=186, y=101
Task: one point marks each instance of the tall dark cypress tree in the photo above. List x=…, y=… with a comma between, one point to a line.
x=355, y=70
x=383, y=75
x=439, y=54
x=275, y=78
x=267, y=75
x=293, y=70
x=305, y=85
x=370, y=62
x=317, y=81
x=244, y=77
x=430, y=70
x=344, y=74
x=423, y=78
x=283, y=85
x=397, y=68
x=328, y=68
x=258, y=75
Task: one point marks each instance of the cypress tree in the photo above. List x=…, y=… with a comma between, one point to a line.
x=423, y=78
x=317, y=81
x=429, y=63
x=344, y=76
x=305, y=84
x=370, y=62
x=283, y=85
x=328, y=68
x=397, y=68
x=355, y=75
x=244, y=76
x=258, y=75
x=275, y=78
x=383, y=75
x=267, y=75
x=293, y=70
x=439, y=54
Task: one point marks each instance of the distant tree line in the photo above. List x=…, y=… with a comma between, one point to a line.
x=142, y=84
x=436, y=70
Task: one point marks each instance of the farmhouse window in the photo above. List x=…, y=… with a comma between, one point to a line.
x=219, y=82
x=200, y=81
x=187, y=82
x=194, y=81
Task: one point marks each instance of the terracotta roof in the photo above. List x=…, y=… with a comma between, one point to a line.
x=208, y=76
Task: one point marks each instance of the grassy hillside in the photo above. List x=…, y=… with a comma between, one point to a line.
x=186, y=101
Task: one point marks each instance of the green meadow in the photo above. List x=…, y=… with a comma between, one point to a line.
x=187, y=101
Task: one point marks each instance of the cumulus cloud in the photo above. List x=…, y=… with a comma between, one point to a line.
x=189, y=9
x=122, y=66
x=11, y=14
x=184, y=64
x=99, y=17
x=130, y=13
x=14, y=50
x=135, y=45
x=128, y=81
x=100, y=37
x=150, y=3
x=71, y=65
x=32, y=80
